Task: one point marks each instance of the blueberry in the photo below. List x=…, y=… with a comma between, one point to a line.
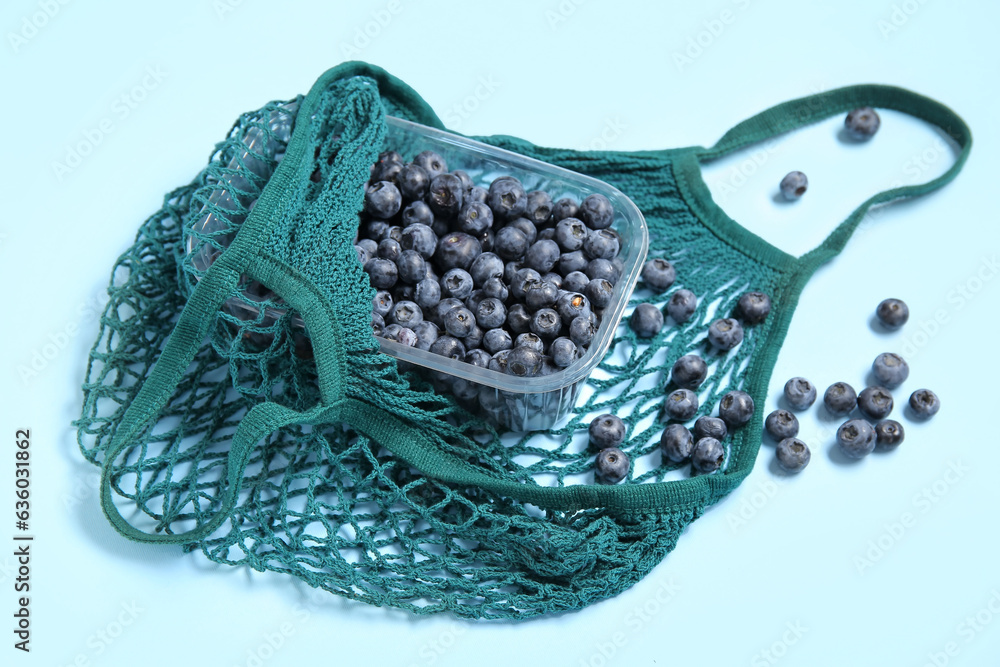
x=445, y=196
x=924, y=403
x=382, y=303
x=676, y=443
x=476, y=194
x=524, y=362
x=394, y=232
x=606, y=430
x=689, y=371
x=479, y=357
x=573, y=261
x=781, y=424
x=378, y=324
x=599, y=292
x=554, y=278
x=596, y=212
x=570, y=234
x=474, y=299
x=547, y=324
x=403, y=292
x=538, y=208
x=411, y=267
x=576, y=281
x=710, y=427
x=529, y=339
x=681, y=305
x=459, y=322
x=457, y=283
x=541, y=295
x=611, y=466
x=456, y=250
x=427, y=293
x=389, y=156
x=414, y=182
x=890, y=369
x=892, y=313
x=363, y=254
x=391, y=331
x=498, y=362
x=793, y=454
x=840, y=398
x=381, y=272
x=420, y=238
x=564, y=208
x=601, y=244
x=753, y=307
x=526, y=227
x=523, y=279
x=736, y=408
x=856, y=438
x=388, y=171
x=376, y=230
x=646, y=320
x=490, y=313
x=495, y=288
x=707, y=455
x=725, y=334
x=406, y=314
x=793, y=185
x=443, y=307
x=547, y=234
x=510, y=243
x=862, y=123
x=485, y=267
x=495, y=340
x=658, y=274
x=432, y=163
x=475, y=218
x=507, y=198
x=418, y=212
x=564, y=352
x=370, y=247
x=888, y=433
x=382, y=200
x=602, y=268
x=571, y=306
x=542, y=256
x=464, y=178
x=427, y=332
x=519, y=319
x=681, y=404
x=486, y=240
x=800, y=393
x=474, y=338
x=582, y=331
x=448, y=346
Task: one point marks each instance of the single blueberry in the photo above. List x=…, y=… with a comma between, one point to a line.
x=414, y=182
x=498, y=362
x=840, y=398
x=524, y=362
x=546, y=323
x=710, y=427
x=479, y=357
x=577, y=281
x=406, y=314
x=725, y=334
x=526, y=227
x=445, y=196
x=781, y=424
x=793, y=454
x=381, y=272
x=419, y=237
x=464, y=178
x=856, y=438
x=382, y=303
x=432, y=163
x=547, y=234
x=862, y=123
x=510, y=270
x=507, y=198
x=542, y=256
x=448, y=346
x=681, y=305
x=495, y=340
x=571, y=306
x=676, y=443
x=363, y=254
x=570, y=234
x=510, y=243
x=573, y=261
x=606, y=430
x=387, y=170
x=554, y=278
x=427, y=293
x=708, y=455
x=456, y=250
x=538, y=208
x=658, y=274
x=890, y=369
x=924, y=403
x=389, y=249
x=800, y=393
x=382, y=200
x=494, y=287
x=601, y=244
x=564, y=352
x=376, y=230
x=681, y=404
x=753, y=307
x=646, y=320
x=378, y=324
x=736, y=408
x=602, y=268
x=541, y=295
x=599, y=292
x=564, y=208
x=596, y=212
x=490, y=313
x=582, y=331
x=892, y=313
x=403, y=335
x=456, y=283
x=427, y=332
x=389, y=156
x=370, y=247
x=529, y=339
x=611, y=466
x=411, y=267
x=485, y=267
x=793, y=185
x=476, y=194
x=888, y=433
x=475, y=218
x=518, y=318
x=474, y=299
x=442, y=309
x=689, y=371
x=418, y=212
x=459, y=322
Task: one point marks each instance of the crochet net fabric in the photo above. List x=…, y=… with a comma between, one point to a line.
x=334, y=507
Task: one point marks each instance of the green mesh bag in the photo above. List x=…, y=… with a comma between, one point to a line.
x=219, y=425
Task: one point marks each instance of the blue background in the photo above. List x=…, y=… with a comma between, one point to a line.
x=892, y=560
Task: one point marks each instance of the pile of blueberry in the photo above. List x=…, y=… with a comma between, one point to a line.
x=857, y=437
x=498, y=277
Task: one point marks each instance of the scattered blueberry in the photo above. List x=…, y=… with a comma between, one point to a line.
x=681, y=404
x=892, y=313
x=725, y=334
x=682, y=305
x=856, y=438
x=800, y=393
x=676, y=443
x=753, y=307
x=781, y=424
x=924, y=403
x=689, y=371
x=658, y=274
x=611, y=466
x=710, y=427
x=890, y=369
x=793, y=454
x=840, y=398
x=736, y=408
x=707, y=455
x=862, y=123
x=606, y=430
x=646, y=320
x=888, y=433
x=794, y=185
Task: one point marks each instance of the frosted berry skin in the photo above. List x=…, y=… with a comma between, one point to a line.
x=383, y=200
x=596, y=212
x=681, y=404
x=599, y=292
x=658, y=274
x=781, y=424
x=892, y=313
x=681, y=305
x=793, y=455
x=840, y=398
x=890, y=369
x=708, y=455
x=800, y=393
x=794, y=185
x=689, y=371
x=496, y=340
x=710, y=427
x=507, y=198
x=570, y=234
x=431, y=162
x=606, y=430
x=646, y=320
x=676, y=443
x=611, y=466
x=524, y=362
x=736, y=408
x=564, y=352
x=382, y=273
x=725, y=334
x=924, y=403
x=856, y=438
x=888, y=433
x=862, y=123
x=875, y=402
x=753, y=307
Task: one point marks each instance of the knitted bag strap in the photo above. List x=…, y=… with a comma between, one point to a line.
x=413, y=445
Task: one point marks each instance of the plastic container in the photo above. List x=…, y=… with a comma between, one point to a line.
x=521, y=404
